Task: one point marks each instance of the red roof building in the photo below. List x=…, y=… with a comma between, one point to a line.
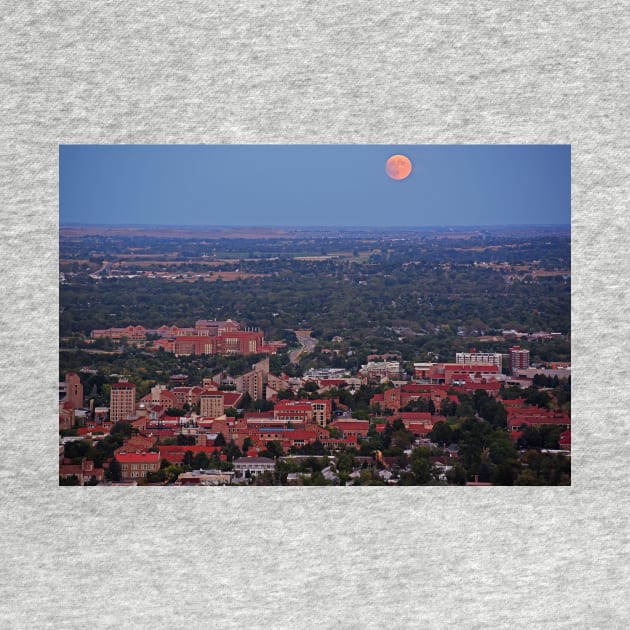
x=293, y=411
x=136, y=465
x=535, y=416
x=83, y=471
x=352, y=428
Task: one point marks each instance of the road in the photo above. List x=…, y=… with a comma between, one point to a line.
x=307, y=342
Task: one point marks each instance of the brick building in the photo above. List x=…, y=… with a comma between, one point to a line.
x=74, y=390
x=237, y=342
x=122, y=401
x=136, y=465
x=519, y=359
x=212, y=404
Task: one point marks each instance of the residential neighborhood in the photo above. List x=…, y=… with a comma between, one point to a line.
x=466, y=422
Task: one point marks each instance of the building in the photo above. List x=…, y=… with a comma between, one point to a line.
x=132, y=333
x=186, y=396
x=215, y=328
x=293, y=411
x=74, y=390
x=253, y=465
x=205, y=478
x=237, y=342
x=252, y=383
x=136, y=465
x=375, y=372
x=212, y=404
x=122, y=401
x=357, y=429
x=322, y=411
x=84, y=471
x=476, y=358
x=519, y=359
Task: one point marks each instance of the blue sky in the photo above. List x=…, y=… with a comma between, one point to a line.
x=314, y=185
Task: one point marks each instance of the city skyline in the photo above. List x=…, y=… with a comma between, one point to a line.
x=313, y=185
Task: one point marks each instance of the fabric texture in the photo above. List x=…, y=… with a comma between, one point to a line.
x=313, y=72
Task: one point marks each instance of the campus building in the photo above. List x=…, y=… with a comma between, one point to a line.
x=122, y=401
x=519, y=359
x=212, y=404
x=479, y=358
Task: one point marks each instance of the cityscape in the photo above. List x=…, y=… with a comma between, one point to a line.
x=267, y=353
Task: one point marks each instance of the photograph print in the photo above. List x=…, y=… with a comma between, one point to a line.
x=315, y=315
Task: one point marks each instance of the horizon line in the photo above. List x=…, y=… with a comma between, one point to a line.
x=295, y=226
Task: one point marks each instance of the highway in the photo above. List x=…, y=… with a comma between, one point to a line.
x=307, y=342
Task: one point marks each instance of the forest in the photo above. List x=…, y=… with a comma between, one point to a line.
x=424, y=294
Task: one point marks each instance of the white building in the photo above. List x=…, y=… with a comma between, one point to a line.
x=255, y=465
x=479, y=358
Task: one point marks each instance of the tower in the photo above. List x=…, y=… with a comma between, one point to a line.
x=519, y=359
x=122, y=401
x=74, y=390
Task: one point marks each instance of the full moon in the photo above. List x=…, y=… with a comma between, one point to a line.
x=398, y=166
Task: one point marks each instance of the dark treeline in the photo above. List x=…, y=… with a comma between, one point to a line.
x=422, y=286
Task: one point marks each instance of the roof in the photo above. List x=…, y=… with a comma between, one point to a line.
x=292, y=406
x=231, y=398
x=168, y=449
x=351, y=424
x=137, y=457
x=416, y=415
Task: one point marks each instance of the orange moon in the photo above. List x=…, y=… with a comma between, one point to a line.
x=398, y=166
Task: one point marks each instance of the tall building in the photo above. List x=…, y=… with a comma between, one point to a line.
x=74, y=390
x=479, y=358
x=519, y=359
x=122, y=401
x=252, y=383
x=212, y=404
x=322, y=411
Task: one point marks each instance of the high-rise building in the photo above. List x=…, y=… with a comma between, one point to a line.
x=252, y=383
x=519, y=359
x=212, y=404
x=122, y=401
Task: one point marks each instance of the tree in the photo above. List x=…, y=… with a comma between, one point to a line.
x=402, y=439
x=334, y=432
x=274, y=449
x=219, y=440
x=441, y=433
x=501, y=449
x=421, y=468
x=232, y=451
x=246, y=401
x=114, y=472
x=200, y=461
x=188, y=459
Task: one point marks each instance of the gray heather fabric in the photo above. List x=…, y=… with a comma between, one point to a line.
x=313, y=72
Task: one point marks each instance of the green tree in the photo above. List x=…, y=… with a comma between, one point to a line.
x=421, y=467
x=114, y=471
x=441, y=433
